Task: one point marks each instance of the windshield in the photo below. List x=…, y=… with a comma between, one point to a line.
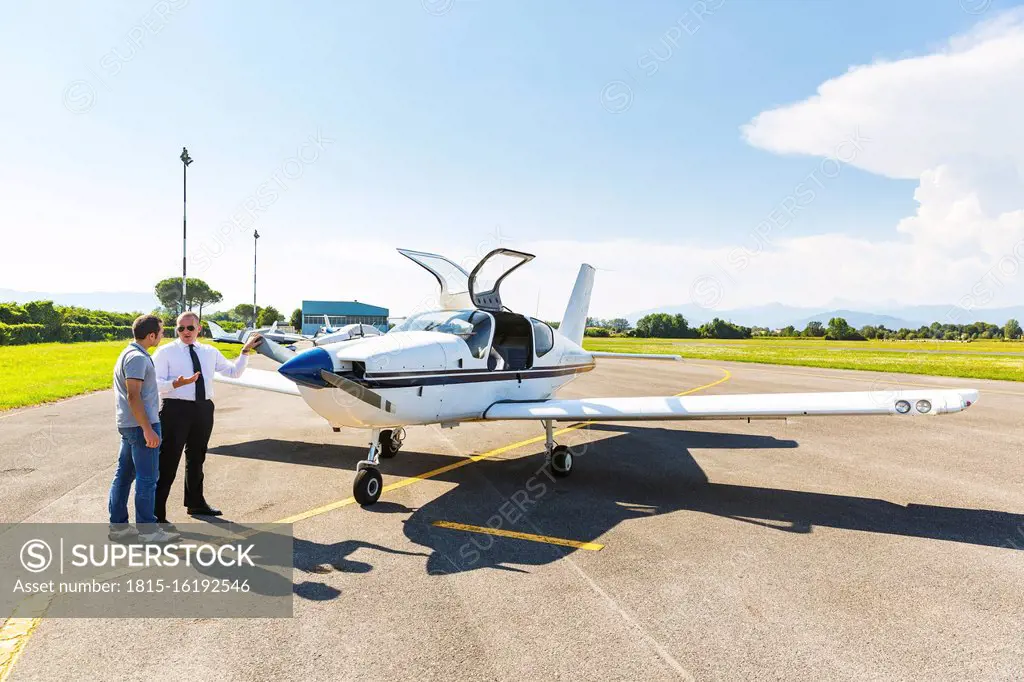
x=472, y=326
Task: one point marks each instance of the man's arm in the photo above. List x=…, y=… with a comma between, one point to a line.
x=165, y=380
x=139, y=411
x=234, y=369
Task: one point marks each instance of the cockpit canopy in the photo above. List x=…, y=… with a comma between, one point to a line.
x=472, y=326
x=479, y=288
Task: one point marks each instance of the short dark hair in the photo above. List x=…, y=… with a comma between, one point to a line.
x=144, y=325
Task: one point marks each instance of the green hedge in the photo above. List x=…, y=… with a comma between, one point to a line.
x=20, y=334
x=70, y=333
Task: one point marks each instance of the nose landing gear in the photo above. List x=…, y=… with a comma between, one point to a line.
x=368, y=484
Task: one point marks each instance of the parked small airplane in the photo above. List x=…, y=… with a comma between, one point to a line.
x=473, y=359
x=271, y=332
x=327, y=334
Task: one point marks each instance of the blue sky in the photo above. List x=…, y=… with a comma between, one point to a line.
x=445, y=119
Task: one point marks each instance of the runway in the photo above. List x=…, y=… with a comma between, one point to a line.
x=816, y=548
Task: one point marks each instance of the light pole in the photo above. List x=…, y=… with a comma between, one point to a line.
x=185, y=161
x=255, y=236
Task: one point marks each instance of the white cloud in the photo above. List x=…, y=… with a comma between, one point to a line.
x=952, y=121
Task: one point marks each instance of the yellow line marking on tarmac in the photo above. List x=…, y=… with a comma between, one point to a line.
x=725, y=378
x=433, y=473
x=13, y=638
x=593, y=546
x=15, y=632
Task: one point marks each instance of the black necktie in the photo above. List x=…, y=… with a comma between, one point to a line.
x=201, y=382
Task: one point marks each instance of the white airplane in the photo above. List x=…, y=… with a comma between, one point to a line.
x=472, y=359
x=327, y=334
x=218, y=334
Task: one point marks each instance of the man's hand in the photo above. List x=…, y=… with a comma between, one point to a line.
x=185, y=381
x=152, y=440
x=253, y=342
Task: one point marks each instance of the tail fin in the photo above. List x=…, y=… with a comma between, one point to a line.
x=575, y=319
x=216, y=332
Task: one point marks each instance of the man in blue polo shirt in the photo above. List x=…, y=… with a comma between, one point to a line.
x=137, y=409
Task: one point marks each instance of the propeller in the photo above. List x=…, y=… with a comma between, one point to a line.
x=275, y=351
x=361, y=392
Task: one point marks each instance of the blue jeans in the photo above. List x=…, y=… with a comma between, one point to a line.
x=140, y=464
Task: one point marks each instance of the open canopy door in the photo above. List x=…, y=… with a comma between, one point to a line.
x=485, y=280
x=453, y=279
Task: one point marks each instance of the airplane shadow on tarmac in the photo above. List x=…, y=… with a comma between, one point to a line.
x=634, y=473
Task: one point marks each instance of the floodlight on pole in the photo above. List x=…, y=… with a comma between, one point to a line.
x=186, y=160
x=255, y=236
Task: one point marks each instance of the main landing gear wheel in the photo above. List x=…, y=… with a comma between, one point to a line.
x=367, y=486
x=391, y=442
x=561, y=461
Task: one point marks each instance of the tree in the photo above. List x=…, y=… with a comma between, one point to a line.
x=168, y=292
x=12, y=313
x=839, y=329
x=619, y=324
x=243, y=312
x=200, y=293
x=663, y=326
x=269, y=316
x=720, y=329
x=43, y=312
x=814, y=328
x=1012, y=329
x=296, y=320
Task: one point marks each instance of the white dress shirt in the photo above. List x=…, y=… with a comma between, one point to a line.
x=173, y=360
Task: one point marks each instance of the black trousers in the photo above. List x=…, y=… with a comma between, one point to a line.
x=185, y=424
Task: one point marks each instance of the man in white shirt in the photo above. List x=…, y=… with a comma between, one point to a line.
x=186, y=417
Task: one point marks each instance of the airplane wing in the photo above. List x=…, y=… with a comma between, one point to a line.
x=750, y=406
x=285, y=337
x=261, y=379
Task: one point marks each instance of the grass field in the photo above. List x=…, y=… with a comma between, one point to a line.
x=976, y=360
x=50, y=371
x=43, y=372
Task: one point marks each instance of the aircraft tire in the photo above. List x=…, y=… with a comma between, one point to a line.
x=388, y=447
x=561, y=461
x=367, y=486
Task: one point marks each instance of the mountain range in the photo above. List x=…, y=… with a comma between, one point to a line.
x=776, y=315
x=771, y=315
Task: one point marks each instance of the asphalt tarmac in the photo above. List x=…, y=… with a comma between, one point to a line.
x=818, y=548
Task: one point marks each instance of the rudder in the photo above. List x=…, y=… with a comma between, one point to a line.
x=574, y=321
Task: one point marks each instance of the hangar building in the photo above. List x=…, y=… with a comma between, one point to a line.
x=340, y=313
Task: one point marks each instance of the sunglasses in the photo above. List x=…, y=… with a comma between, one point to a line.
x=190, y=327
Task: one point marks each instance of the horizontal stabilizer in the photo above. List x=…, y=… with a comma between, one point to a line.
x=261, y=379
x=751, y=406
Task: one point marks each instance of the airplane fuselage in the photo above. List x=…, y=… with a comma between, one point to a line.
x=429, y=377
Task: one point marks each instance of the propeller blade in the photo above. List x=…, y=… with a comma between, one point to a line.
x=275, y=351
x=352, y=388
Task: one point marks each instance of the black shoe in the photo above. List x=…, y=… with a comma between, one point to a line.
x=205, y=510
x=167, y=526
